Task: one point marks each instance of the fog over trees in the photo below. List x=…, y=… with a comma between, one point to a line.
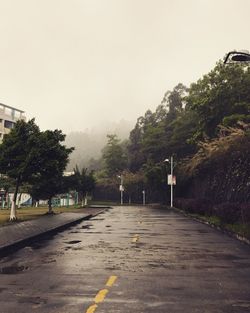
x=89, y=143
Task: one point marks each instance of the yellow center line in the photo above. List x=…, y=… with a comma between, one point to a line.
x=92, y=308
x=111, y=281
x=101, y=295
x=135, y=238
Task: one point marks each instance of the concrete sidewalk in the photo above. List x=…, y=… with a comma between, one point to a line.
x=13, y=237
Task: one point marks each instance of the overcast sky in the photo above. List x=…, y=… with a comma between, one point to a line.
x=75, y=64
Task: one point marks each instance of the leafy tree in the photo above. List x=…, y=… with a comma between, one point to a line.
x=180, y=134
x=174, y=101
x=135, y=156
x=221, y=93
x=52, y=160
x=19, y=154
x=134, y=184
x=156, y=180
x=85, y=182
x=114, y=156
x=154, y=134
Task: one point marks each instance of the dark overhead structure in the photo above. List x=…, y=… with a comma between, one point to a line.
x=237, y=56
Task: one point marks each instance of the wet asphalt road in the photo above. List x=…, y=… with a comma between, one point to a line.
x=129, y=259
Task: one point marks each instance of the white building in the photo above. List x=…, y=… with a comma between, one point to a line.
x=8, y=117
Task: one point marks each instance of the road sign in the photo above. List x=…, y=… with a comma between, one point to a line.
x=171, y=180
x=121, y=188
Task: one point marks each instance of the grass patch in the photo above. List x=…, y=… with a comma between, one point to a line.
x=30, y=213
x=108, y=203
x=215, y=220
x=240, y=229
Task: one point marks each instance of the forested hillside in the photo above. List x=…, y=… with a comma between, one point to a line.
x=205, y=127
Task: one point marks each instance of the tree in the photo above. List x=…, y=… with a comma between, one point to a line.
x=52, y=161
x=154, y=133
x=135, y=156
x=134, y=184
x=114, y=156
x=6, y=184
x=85, y=183
x=19, y=153
x=219, y=95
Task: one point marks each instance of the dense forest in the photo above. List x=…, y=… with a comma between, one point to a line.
x=205, y=127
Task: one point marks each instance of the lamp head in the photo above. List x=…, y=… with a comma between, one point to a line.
x=241, y=58
x=237, y=56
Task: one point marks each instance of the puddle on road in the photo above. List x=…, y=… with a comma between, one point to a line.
x=14, y=269
x=72, y=242
x=95, y=232
x=97, y=219
x=86, y=226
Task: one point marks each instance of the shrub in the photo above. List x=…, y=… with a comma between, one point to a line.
x=245, y=213
x=198, y=206
x=228, y=212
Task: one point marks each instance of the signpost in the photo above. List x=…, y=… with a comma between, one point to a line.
x=121, y=188
x=171, y=179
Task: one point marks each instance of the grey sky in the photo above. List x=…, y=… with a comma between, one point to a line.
x=75, y=64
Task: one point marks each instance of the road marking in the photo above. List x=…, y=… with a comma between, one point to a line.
x=111, y=281
x=135, y=238
x=92, y=308
x=101, y=295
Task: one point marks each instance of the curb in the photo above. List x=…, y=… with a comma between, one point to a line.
x=14, y=246
x=218, y=228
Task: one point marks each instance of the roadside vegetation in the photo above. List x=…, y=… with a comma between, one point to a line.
x=206, y=128
x=231, y=216
x=34, y=162
x=30, y=213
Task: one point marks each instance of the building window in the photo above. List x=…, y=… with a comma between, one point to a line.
x=8, y=124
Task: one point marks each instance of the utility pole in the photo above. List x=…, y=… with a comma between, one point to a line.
x=171, y=186
x=171, y=180
x=121, y=188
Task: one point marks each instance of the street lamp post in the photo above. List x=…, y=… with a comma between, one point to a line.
x=171, y=181
x=121, y=188
x=143, y=197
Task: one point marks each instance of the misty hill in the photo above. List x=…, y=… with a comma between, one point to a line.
x=89, y=143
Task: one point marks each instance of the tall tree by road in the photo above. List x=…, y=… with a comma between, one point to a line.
x=220, y=97
x=53, y=159
x=85, y=183
x=114, y=156
x=19, y=154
